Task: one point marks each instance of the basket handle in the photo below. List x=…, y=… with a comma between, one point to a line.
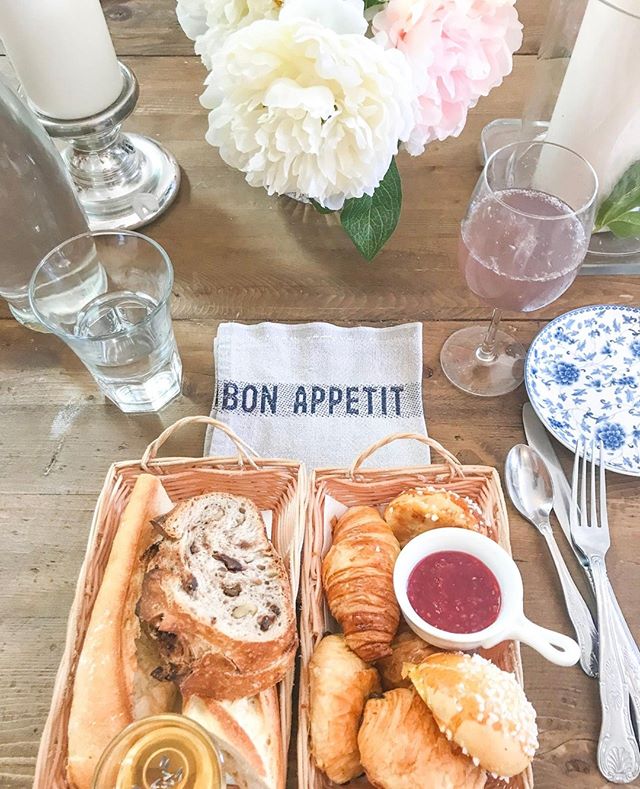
x=455, y=467
x=245, y=453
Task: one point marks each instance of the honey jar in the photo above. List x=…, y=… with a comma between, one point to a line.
x=160, y=752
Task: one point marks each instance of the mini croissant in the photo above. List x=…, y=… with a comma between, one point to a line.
x=357, y=576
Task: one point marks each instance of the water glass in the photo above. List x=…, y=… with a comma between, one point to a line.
x=107, y=295
x=523, y=239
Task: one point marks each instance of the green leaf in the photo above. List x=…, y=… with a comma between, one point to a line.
x=626, y=226
x=370, y=221
x=370, y=3
x=320, y=208
x=616, y=210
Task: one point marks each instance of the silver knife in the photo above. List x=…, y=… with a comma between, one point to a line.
x=538, y=438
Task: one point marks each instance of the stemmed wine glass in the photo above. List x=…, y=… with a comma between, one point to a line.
x=523, y=239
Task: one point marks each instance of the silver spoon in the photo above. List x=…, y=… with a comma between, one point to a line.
x=531, y=490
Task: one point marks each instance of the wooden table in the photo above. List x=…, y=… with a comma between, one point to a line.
x=240, y=255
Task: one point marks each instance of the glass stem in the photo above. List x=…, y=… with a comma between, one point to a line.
x=486, y=353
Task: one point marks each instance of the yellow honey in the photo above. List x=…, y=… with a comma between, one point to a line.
x=160, y=752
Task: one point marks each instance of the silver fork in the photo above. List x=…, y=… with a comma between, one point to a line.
x=618, y=751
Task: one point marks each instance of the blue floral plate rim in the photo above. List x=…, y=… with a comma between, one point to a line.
x=541, y=337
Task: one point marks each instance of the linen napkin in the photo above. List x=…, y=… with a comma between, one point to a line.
x=319, y=393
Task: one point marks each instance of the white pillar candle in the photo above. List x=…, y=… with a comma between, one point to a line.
x=597, y=113
x=63, y=55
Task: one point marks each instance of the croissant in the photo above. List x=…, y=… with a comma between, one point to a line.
x=406, y=647
x=416, y=755
x=357, y=576
x=339, y=685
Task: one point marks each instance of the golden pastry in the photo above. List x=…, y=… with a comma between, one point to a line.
x=421, y=509
x=339, y=685
x=357, y=576
x=401, y=747
x=482, y=708
x=406, y=647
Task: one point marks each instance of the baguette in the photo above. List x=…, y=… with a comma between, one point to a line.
x=217, y=596
x=247, y=732
x=112, y=685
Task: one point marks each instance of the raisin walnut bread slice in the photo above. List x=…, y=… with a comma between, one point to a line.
x=217, y=597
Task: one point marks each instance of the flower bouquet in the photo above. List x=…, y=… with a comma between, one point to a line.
x=315, y=98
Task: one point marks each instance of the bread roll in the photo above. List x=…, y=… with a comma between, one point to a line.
x=406, y=647
x=218, y=597
x=247, y=732
x=482, y=708
x=112, y=685
x=421, y=509
x=357, y=576
x=401, y=747
x=339, y=685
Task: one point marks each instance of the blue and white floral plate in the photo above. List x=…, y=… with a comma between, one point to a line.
x=583, y=378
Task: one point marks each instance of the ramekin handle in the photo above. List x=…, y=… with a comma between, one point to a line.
x=554, y=646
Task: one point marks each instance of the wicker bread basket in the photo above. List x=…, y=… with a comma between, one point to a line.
x=276, y=485
x=375, y=488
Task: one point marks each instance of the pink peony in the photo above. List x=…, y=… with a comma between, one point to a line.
x=458, y=50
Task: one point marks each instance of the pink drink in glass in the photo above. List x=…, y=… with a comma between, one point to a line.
x=513, y=256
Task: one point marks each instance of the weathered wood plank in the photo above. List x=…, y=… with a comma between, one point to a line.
x=240, y=254
x=150, y=27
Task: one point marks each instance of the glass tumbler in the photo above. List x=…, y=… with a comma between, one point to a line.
x=123, y=335
x=522, y=241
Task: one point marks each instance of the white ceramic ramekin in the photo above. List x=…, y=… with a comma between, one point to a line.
x=511, y=623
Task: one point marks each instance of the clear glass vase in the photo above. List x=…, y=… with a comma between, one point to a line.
x=38, y=206
x=587, y=94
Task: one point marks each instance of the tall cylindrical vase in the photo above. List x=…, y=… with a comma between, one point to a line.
x=38, y=205
x=587, y=95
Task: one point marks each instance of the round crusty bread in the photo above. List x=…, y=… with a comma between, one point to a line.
x=401, y=747
x=217, y=595
x=482, y=708
x=422, y=509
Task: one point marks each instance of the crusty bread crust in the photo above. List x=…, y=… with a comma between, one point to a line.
x=217, y=676
x=210, y=544
x=247, y=731
x=103, y=703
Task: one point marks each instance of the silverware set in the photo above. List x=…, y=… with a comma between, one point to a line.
x=537, y=484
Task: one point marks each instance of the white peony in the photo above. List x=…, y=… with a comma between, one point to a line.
x=303, y=109
x=343, y=16
x=224, y=17
x=192, y=17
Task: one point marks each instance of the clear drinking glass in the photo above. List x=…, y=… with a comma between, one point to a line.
x=523, y=238
x=123, y=335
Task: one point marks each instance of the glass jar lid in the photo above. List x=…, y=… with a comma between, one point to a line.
x=160, y=752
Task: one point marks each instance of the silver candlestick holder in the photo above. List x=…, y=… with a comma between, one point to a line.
x=123, y=180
